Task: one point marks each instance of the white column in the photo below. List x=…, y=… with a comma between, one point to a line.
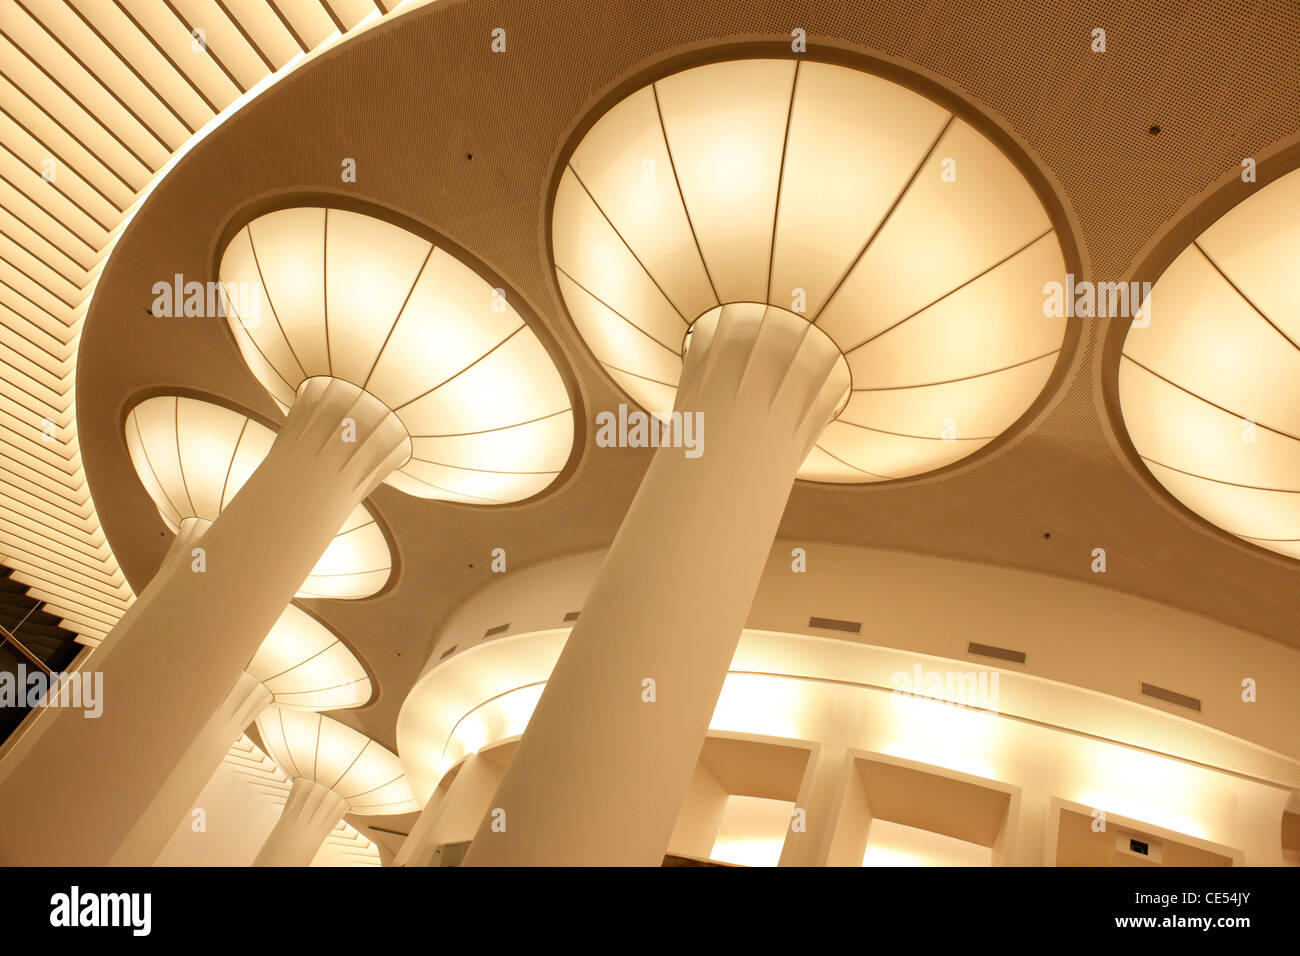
x=310, y=813
x=456, y=815
x=1029, y=846
x=167, y=669
x=600, y=774
x=825, y=781
x=183, y=785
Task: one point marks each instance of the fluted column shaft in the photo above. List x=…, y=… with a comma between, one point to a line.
x=310, y=813
x=600, y=773
x=168, y=669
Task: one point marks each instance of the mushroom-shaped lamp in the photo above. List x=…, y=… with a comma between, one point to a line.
x=194, y=456
x=1209, y=379
x=334, y=770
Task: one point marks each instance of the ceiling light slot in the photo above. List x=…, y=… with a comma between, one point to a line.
x=834, y=624
x=998, y=653
x=1171, y=697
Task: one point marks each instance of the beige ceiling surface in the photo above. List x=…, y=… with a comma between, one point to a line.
x=446, y=131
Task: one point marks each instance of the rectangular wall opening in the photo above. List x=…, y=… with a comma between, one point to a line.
x=738, y=808
x=900, y=813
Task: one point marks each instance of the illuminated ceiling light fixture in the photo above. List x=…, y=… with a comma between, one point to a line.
x=335, y=770
x=305, y=666
x=321, y=294
x=860, y=275
x=880, y=219
x=395, y=362
x=1209, y=383
x=193, y=457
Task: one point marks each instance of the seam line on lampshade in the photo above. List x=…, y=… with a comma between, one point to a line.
x=230, y=465
x=846, y=464
x=564, y=272
x=681, y=197
x=522, y=325
x=1202, y=398
x=628, y=246
x=963, y=378
x=1220, y=481
x=288, y=751
x=266, y=290
x=325, y=287
x=312, y=690
x=644, y=378
x=253, y=341
x=386, y=783
x=144, y=450
x=343, y=776
x=885, y=431
x=907, y=186
x=1245, y=298
x=419, y=273
x=458, y=494
x=499, y=428
x=780, y=179
x=953, y=291
x=346, y=574
x=488, y=471
x=303, y=661
x=180, y=464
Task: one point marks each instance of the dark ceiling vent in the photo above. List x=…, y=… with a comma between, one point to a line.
x=998, y=653
x=494, y=631
x=1171, y=697
x=571, y=616
x=831, y=624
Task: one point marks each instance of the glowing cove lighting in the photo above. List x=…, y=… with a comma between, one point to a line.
x=193, y=457
x=324, y=293
x=1210, y=388
x=890, y=225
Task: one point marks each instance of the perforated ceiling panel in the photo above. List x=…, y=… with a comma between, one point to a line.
x=447, y=130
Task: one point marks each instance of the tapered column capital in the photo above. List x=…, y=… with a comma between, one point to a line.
x=310, y=813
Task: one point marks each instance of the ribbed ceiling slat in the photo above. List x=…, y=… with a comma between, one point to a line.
x=225, y=42
x=98, y=52
x=45, y=53
x=175, y=42
x=266, y=29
